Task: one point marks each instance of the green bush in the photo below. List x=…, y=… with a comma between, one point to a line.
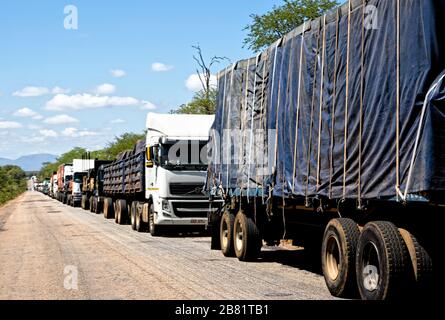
x=12, y=183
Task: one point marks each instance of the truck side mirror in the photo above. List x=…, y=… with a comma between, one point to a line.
x=149, y=155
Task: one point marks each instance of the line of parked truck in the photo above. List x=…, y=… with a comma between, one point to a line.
x=156, y=186
x=312, y=141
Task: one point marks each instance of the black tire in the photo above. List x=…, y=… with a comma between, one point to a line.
x=246, y=238
x=123, y=212
x=91, y=202
x=213, y=230
x=82, y=202
x=421, y=262
x=226, y=234
x=141, y=226
x=154, y=229
x=108, y=208
x=98, y=205
x=338, y=255
x=382, y=262
x=87, y=203
x=133, y=213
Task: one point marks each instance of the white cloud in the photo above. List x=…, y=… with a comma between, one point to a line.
x=117, y=121
x=27, y=113
x=75, y=133
x=34, y=127
x=59, y=90
x=161, y=67
x=147, y=105
x=117, y=73
x=193, y=83
x=61, y=119
x=49, y=133
x=105, y=88
x=31, y=92
x=9, y=125
x=87, y=101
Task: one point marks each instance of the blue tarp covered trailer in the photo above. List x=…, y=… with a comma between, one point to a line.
x=348, y=106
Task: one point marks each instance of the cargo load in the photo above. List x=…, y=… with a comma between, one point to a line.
x=347, y=106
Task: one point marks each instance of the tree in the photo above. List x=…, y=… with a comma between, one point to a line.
x=275, y=24
x=204, y=101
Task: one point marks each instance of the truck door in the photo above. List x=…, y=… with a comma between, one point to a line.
x=150, y=171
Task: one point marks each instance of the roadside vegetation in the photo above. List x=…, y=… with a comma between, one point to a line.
x=12, y=183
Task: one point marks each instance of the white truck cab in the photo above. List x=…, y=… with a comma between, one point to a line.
x=176, y=165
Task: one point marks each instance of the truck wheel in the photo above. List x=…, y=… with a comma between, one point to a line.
x=108, y=208
x=246, y=238
x=87, y=203
x=226, y=234
x=338, y=257
x=382, y=262
x=91, y=202
x=215, y=234
x=133, y=214
x=63, y=199
x=98, y=205
x=141, y=226
x=122, y=212
x=154, y=229
x=82, y=202
x=422, y=264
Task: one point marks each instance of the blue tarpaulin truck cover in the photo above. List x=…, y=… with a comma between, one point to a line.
x=348, y=106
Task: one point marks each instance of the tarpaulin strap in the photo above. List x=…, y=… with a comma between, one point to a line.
x=418, y=136
x=276, y=122
x=222, y=121
x=334, y=102
x=229, y=129
x=251, y=127
x=262, y=124
x=314, y=87
x=362, y=85
x=398, y=96
x=243, y=114
x=300, y=72
x=345, y=149
x=321, y=101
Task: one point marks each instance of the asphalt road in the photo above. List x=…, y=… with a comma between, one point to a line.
x=52, y=251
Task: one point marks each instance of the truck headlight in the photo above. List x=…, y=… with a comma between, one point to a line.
x=166, y=206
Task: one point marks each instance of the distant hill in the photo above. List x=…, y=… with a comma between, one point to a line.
x=29, y=163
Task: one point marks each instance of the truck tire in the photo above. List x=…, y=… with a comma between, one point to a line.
x=63, y=198
x=141, y=226
x=338, y=255
x=87, y=203
x=422, y=264
x=121, y=212
x=91, y=202
x=246, y=238
x=215, y=233
x=83, y=202
x=226, y=234
x=98, y=205
x=382, y=262
x=133, y=214
x=154, y=229
x=108, y=208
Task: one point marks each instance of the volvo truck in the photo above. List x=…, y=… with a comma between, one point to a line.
x=159, y=184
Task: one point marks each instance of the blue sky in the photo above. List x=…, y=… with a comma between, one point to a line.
x=57, y=88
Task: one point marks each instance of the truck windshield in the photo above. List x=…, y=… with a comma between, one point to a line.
x=78, y=177
x=183, y=155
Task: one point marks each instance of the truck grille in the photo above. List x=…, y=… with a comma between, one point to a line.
x=190, y=209
x=189, y=189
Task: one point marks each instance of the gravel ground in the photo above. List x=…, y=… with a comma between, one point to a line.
x=44, y=245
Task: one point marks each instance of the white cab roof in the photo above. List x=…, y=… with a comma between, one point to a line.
x=179, y=126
